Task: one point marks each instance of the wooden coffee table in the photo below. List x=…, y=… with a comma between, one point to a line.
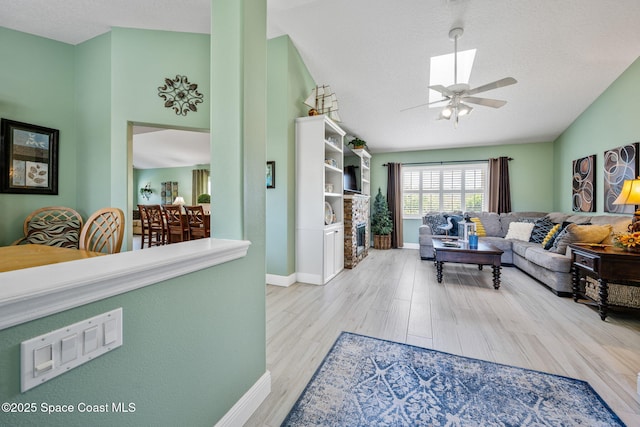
x=486, y=254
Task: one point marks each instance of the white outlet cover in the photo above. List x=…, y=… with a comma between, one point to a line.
x=73, y=351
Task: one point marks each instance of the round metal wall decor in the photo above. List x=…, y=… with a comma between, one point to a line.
x=180, y=95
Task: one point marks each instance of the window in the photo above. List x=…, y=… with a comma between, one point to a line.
x=444, y=188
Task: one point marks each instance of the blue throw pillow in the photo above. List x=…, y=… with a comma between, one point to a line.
x=455, y=219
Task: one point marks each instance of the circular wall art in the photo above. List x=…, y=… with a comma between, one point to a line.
x=180, y=95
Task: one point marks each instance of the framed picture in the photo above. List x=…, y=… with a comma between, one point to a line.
x=584, y=182
x=271, y=174
x=28, y=158
x=620, y=164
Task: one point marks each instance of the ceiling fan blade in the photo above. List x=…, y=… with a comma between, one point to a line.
x=486, y=102
x=494, y=85
x=425, y=104
x=443, y=90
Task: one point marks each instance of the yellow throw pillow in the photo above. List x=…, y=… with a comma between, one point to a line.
x=550, y=235
x=480, y=231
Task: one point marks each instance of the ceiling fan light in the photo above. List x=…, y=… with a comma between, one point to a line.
x=464, y=109
x=447, y=112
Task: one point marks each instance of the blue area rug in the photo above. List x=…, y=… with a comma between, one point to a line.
x=365, y=381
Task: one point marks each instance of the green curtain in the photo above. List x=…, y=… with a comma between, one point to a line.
x=199, y=184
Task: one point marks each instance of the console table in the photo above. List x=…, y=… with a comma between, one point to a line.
x=606, y=264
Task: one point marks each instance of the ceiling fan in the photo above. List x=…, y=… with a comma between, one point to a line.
x=459, y=92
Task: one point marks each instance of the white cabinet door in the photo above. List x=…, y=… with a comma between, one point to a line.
x=329, y=253
x=339, y=250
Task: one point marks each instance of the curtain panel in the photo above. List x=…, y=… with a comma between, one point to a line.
x=394, y=199
x=199, y=184
x=499, y=187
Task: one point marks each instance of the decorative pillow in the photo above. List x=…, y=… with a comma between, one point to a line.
x=557, y=232
x=580, y=233
x=434, y=221
x=520, y=231
x=480, y=231
x=455, y=219
x=65, y=234
x=540, y=230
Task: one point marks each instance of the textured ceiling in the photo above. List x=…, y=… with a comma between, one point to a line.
x=375, y=55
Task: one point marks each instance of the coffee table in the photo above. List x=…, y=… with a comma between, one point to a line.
x=449, y=250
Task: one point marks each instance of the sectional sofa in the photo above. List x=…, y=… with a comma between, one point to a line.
x=551, y=266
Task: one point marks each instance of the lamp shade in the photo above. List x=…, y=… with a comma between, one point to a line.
x=630, y=193
x=179, y=201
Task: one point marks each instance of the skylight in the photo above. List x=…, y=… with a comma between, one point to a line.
x=442, y=71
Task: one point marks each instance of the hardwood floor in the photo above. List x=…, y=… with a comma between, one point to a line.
x=394, y=295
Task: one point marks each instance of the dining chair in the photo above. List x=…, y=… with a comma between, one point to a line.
x=52, y=226
x=177, y=225
x=103, y=231
x=153, y=225
x=198, y=224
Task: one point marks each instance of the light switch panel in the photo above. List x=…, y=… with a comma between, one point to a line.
x=90, y=339
x=47, y=356
x=69, y=348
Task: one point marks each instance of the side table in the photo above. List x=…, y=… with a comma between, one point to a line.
x=606, y=264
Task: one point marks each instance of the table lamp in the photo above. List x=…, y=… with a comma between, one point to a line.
x=630, y=195
x=179, y=201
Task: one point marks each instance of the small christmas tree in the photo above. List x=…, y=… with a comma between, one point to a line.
x=381, y=220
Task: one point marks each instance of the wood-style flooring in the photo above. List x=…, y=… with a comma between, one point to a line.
x=394, y=295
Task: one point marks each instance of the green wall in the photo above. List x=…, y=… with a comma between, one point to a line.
x=610, y=122
x=531, y=172
x=288, y=84
x=37, y=86
x=93, y=112
x=195, y=344
x=183, y=176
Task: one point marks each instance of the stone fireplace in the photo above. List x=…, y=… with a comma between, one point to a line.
x=356, y=229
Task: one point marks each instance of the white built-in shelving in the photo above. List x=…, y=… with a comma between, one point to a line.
x=319, y=199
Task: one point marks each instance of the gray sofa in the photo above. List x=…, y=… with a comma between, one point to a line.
x=552, y=269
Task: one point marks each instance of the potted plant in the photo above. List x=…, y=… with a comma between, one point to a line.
x=357, y=143
x=381, y=224
x=205, y=201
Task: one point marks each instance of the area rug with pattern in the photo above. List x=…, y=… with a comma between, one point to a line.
x=365, y=381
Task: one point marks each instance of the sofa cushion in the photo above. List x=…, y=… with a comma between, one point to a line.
x=520, y=231
x=579, y=219
x=576, y=233
x=519, y=247
x=540, y=229
x=498, y=242
x=507, y=218
x=549, y=260
x=557, y=217
x=490, y=221
x=619, y=224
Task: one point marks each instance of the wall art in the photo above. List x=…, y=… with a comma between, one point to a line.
x=271, y=174
x=180, y=95
x=29, y=158
x=620, y=164
x=584, y=181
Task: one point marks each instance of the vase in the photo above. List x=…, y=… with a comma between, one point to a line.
x=634, y=249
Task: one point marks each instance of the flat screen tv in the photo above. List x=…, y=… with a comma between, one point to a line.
x=351, y=171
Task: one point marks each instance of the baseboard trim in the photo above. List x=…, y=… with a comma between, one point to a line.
x=276, y=280
x=411, y=246
x=247, y=405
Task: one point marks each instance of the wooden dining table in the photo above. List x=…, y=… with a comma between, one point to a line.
x=26, y=256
